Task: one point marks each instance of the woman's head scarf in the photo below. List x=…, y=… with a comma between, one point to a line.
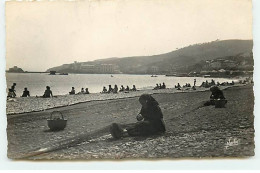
x=149, y=99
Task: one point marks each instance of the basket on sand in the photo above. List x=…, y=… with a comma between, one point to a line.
x=56, y=121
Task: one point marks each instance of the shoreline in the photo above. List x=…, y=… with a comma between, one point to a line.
x=21, y=105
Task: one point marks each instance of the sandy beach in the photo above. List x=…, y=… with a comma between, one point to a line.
x=192, y=130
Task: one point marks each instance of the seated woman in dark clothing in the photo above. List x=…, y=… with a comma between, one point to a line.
x=216, y=94
x=150, y=120
x=26, y=93
x=47, y=92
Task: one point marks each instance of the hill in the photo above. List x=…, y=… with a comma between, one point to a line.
x=176, y=61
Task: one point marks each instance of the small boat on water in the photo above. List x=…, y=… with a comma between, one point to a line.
x=64, y=73
x=206, y=76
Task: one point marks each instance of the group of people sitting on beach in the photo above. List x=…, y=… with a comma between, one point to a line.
x=115, y=89
x=73, y=92
x=247, y=80
x=207, y=84
x=160, y=86
x=187, y=86
x=12, y=92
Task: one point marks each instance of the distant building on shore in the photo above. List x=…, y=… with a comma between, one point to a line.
x=15, y=69
x=98, y=68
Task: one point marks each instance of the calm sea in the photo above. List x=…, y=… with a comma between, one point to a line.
x=61, y=84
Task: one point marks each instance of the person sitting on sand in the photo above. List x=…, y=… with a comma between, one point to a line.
x=127, y=88
x=115, y=89
x=178, y=86
x=104, y=90
x=26, y=93
x=207, y=84
x=86, y=91
x=216, y=94
x=13, y=88
x=150, y=120
x=134, y=88
x=110, y=89
x=11, y=93
x=122, y=88
x=212, y=82
x=163, y=86
x=47, y=92
x=157, y=87
x=72, y=91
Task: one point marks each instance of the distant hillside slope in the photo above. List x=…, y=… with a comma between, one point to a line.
x=178, y=60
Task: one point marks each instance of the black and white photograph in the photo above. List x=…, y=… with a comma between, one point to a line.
x=129, y=80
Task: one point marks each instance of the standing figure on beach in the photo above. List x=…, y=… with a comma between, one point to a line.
x=194, y=83
x=47, y=92
x=72, y=91
x=150, y=120
x=216, y=94
x=26, y=93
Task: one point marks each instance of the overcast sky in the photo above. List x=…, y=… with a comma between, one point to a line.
x=40, y=35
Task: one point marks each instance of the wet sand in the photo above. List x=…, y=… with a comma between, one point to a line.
x=192, y=130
